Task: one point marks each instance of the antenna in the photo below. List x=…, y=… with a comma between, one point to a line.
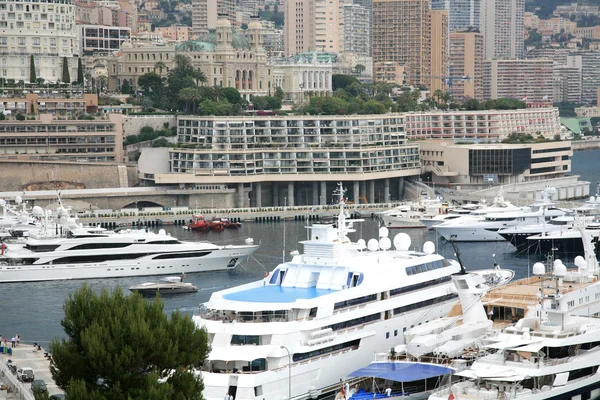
x=463, y=271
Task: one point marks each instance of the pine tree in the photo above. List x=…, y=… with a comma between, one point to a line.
x=79, y=72
x=66, y=78
x=32, y=76
x=127, y=343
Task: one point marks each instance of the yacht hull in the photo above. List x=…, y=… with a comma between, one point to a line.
x=464, y=234
x=223, y=259
x=319, y=376
x=393, y=222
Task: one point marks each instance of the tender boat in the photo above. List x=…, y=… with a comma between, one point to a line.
x=198, y=223
x=316, y=317
x=167, y=286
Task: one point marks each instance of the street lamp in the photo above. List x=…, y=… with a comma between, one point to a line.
x=289, y=371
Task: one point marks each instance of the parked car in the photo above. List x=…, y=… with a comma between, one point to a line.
x=38, y=385
x=25, y=374
x=12, y=366
x=58, y=396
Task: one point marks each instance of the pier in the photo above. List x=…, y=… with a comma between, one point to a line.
x=25, y=355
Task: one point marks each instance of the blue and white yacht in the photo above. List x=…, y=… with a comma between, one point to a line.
x=308, y=324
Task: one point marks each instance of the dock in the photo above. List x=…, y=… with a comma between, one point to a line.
x=25, y=355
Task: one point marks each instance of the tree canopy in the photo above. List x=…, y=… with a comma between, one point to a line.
x=118, y=347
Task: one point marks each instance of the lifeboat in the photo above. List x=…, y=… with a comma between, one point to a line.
x=199, y=223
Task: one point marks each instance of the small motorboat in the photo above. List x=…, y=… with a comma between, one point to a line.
x=230, y=224
x=216, y=224
x=168, y=285
x=198, y=223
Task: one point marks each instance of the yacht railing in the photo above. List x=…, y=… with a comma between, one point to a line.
x=245, y=317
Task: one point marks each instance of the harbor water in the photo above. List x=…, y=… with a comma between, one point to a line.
x=34, y=310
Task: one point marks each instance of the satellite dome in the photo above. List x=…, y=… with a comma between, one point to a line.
x=579, y=261
x=428, y=248
x=37, y=211
x=383, y=232
x=559, y=269
x=72, y=223
x=539, y=268
x=373, y=245
x=402, y=241
x=162, y=232
x=361, y=244
x=18, y=199
x=385, y=243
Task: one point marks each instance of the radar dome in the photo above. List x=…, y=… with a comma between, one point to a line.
x=383, y=232
x=402, y=241
x=592, y=199
x=361, y=244
x=385, y=243
x=428, y=248
x=559, y=268
x=579, y=261
x=373, y=245
x=37, y=211
x=18, y=199
x=539, y=268
x=162, y=232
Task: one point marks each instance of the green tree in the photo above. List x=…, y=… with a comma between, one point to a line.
x=342, y=81
x=231, y=95
x=126, y=87
x=472, y=105
x=279, y=93
x=32, y=76
x=359, y=68
x=159, y=65
x=20, y=117
x=118, y=346
x=66, y=77
x=80, y=78
x=151, y=83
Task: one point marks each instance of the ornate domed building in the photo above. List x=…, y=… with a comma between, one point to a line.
x=227, y=58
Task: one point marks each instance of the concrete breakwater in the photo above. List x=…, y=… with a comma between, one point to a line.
x=587, y=144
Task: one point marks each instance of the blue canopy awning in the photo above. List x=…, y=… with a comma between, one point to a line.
x=402, y=371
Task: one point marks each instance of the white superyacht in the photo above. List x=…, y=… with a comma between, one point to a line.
x=296, y=333
x=553, y=351
x=71, y=251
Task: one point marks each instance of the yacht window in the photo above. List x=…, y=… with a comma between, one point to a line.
x=164, y=242
x=313, y=312
x=273, y=279
x=355, y=301
x=245, y=339
x=42, y=247
x=95, y=258
x=430, y=266
x=424, y=303
x=331, y=349
x=419, y=286
x=354, y=322
x=181, y=255
x=88, y=246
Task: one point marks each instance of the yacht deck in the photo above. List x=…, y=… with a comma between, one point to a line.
x=277, y=294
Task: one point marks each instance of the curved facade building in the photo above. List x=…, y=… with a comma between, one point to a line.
x=45, y=29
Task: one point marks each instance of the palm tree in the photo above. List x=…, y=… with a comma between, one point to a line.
x=101, y=83
x=87, y=79
x=217, y=93
x=191, y=96
x=199, y=76
x=159, y=65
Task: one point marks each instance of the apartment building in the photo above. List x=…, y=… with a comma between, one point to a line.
x=567, y=84
x=528, y=80
x=102, y=39
x=399, y=36
x=502, y=28
x=357, y=32
x=329, y=26
x=299, y=27
x=205, y=14
x=45, y=30
x=44, y=101
x=49, y=138
x=462, y=14
x=437, y=43
x=299, y=158
x=466, y=60
x=177, y=33
x=484, y=125
x=589, y=64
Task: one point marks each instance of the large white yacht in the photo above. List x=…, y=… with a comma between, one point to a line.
x=296, y=333
x=477, y=227
x=71, y=251
x=411, y=215
x=553, y=351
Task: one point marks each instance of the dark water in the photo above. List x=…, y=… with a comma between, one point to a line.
x=585, y=164
x=34, y=310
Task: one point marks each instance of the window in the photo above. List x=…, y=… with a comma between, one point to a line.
x=395, y=332
x=425, y=303
x=331, y=349
x=387, y=335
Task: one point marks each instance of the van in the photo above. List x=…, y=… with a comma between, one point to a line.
x=25, y=374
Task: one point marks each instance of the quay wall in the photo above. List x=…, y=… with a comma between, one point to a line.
x=588, y=144
x=22, y=174
x=133, y=123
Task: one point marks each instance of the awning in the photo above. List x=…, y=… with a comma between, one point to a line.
x=530, y=348
x=240, y=353
x=402, y=371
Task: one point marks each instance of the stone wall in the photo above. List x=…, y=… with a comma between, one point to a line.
x=588, y=144
x=132, y=124
x=17, y=174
